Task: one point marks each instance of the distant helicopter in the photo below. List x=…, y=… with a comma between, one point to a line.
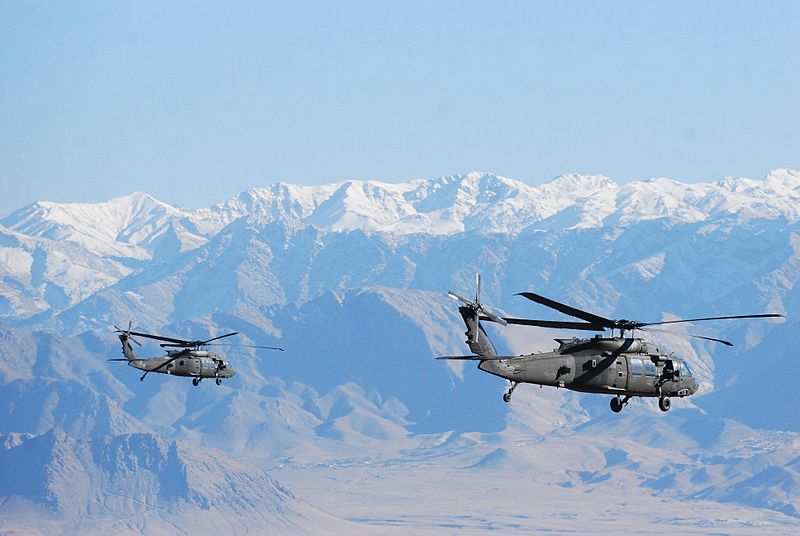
x=620, y=366
x=191, y=360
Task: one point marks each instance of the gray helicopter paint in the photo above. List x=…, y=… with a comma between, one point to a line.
x=620, y=366
x=190, y=366
x=191, y=360
x=191, y=363
x=588, y=374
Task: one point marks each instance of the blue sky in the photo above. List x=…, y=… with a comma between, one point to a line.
x=194, y=102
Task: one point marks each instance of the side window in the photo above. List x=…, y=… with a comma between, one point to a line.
x=685, y=369
x=649, y=368
x=636, y=366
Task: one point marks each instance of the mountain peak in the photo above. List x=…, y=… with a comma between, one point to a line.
x=584, y=185
x=108, y=218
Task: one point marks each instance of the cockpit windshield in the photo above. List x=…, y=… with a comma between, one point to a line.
x=686, y=370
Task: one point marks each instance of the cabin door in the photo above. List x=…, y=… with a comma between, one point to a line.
x=620, y=373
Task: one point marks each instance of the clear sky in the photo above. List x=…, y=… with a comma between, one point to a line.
x=196, y=101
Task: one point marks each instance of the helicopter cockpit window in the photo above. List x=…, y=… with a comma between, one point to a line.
x=649, y=368
x=686, y=370
x=636, y=366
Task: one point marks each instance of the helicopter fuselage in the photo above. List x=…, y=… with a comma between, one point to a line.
x=615, y=365
x=621, y=366
x=195, y=364
x=191, y=360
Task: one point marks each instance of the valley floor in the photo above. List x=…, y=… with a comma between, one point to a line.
x=461, y=494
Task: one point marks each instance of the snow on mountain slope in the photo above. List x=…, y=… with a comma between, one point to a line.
x=74, y=249
x=126, y=226
x=129, y=226
x=446, y=205
x=55, y=255
x=494, y=204
x=40, y=274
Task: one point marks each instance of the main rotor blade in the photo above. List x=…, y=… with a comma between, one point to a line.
x=705, y=337
x=246, y=346
x=215, y=338
x=726, y=343
x=178, y=343
x=768, y=315
x=159, y=338
x=551, y=324
x=480, y=357
x=567, y=310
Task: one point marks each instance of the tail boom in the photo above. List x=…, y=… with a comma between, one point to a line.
x=127, y=350
x=477, y=339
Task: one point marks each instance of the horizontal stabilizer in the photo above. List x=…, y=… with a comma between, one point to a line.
x=480, y=357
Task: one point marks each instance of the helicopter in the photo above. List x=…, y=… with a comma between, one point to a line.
x=621, y=366
x=189, y=360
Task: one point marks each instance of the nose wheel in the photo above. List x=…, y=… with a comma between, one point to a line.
x=219, y=381
x=664, y=403
x=507, y=395
x=196, y=381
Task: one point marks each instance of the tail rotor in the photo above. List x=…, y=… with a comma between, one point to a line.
x=125, y=337
x=126, y=332
x=477, y=309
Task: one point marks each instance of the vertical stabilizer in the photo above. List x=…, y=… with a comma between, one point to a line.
x=477, y=339
x=125, y=339
x=127, y=350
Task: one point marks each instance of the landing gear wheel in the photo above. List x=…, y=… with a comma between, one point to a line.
x=664, y=403
x=219, y=381
x=195, y=381
x=507, y=396
x=616, y=404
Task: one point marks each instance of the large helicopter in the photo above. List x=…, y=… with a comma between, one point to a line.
x=189, y=360
x=617, y=365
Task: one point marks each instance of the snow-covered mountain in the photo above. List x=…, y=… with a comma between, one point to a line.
x=55, y=256
x=351, y=278
x=132, y=226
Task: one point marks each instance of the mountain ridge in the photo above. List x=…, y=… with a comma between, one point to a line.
x=350, y=279
x=55, y=256
x=445, y=205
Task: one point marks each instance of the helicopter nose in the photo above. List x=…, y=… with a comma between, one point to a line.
x=693, y=385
